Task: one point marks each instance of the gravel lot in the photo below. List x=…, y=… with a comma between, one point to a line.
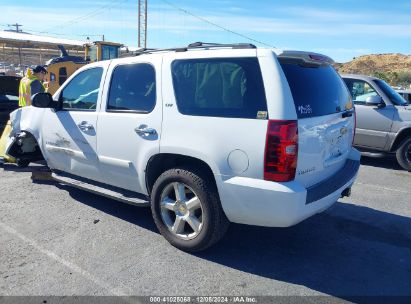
x=57, y=240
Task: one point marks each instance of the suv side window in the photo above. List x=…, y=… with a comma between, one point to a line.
x=82, y=91
x=360, y=90
x=133, y=88
x=220, y=87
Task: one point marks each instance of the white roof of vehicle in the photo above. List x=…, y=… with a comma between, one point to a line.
x=189, y=50
x=14, y=37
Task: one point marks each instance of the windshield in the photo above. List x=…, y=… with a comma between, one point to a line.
x=109, y=52
x=392, y=95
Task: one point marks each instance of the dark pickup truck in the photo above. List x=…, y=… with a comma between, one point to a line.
x=9, y=97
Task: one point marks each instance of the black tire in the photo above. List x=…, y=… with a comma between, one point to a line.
x=22, y=163
x=214, y=223
x=403, y=154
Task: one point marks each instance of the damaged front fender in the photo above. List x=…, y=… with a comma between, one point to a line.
x=23, y=140
x=27, y=119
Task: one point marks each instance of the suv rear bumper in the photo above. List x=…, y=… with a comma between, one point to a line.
x=264, y=203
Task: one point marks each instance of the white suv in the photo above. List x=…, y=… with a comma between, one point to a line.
x=207, y=134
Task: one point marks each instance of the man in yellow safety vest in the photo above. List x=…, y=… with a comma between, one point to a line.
x=31, y=84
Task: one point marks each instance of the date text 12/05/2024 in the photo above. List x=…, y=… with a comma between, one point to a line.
x=203, y=299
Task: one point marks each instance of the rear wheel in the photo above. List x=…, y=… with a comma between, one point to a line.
x=404, y=154
x=187, y=211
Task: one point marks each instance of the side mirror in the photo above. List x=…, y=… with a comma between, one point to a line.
x=375, y=101
x=43, y=100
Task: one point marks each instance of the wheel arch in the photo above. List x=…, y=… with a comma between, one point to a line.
x=20, y=138
x=403, y=134
x=162, y=162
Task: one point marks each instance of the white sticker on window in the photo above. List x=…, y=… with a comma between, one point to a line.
x=305, y=109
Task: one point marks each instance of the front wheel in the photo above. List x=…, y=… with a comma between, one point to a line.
x=187, y=210
x=403, y=154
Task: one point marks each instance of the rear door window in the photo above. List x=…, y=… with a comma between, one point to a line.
x=220, y=87
x=133, y=88
x=317, y=89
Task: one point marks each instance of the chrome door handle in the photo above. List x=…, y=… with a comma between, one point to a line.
x=145, y=131
x=85, y=126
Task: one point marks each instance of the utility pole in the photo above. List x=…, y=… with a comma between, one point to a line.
x=16, y=25
x=142, y=23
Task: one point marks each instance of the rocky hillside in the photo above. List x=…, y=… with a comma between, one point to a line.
x=394, y=68
x=369, y=64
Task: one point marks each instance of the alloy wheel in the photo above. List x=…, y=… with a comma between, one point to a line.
x=181, y=210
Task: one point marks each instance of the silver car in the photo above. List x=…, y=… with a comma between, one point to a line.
x=383, y=118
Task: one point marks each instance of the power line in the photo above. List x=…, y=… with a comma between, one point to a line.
x=215, y=24
x=28, y=31
x=61, y=34
x=88, y=15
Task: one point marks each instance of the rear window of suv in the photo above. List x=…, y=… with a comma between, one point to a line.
x=220, y=87
x=317, y=89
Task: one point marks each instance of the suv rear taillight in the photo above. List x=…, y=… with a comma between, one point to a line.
x=281, y=149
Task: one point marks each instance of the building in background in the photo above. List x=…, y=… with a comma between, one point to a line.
x=19, y=50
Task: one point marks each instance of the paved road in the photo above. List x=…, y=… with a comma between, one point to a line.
x=56, y=240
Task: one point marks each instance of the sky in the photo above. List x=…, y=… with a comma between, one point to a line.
x=341, y=29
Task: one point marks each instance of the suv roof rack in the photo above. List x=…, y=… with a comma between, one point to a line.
x=222, y=45
x=198, y=45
